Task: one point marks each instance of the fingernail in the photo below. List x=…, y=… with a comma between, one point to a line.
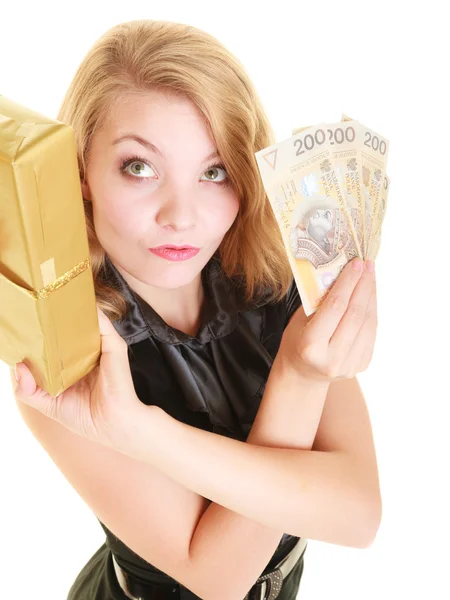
x=370, y=266
x=15, y=373
x=357, y=264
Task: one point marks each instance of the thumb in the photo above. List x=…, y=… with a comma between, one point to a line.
x=111, y=340
x=114, y=357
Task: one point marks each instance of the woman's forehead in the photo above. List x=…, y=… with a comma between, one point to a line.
x=148, y=104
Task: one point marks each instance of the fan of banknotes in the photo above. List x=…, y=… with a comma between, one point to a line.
x=328, y=188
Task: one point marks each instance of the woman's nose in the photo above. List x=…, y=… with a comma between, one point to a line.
x=177, y=210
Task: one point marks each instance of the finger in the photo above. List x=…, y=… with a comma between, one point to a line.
x=25, y=385
x=346, y=332
x=333, y=307
x=29, y=393
x=361, y=352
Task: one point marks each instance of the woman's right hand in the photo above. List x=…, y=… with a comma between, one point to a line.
x=101, y=406
x=337, y=341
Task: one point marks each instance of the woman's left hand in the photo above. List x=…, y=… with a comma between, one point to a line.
x=101, y=404
x=338, y=340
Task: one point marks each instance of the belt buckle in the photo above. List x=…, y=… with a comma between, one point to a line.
x=273, y=582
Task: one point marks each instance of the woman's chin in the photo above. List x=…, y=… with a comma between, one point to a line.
x=171, y=279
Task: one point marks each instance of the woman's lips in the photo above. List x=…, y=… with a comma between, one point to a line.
x=175, y=253
x=175, y=247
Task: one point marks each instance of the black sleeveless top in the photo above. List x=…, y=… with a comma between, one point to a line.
x=214, y=381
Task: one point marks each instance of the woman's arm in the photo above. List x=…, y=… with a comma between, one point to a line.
x=286, y=489
x=288, y=417
x=265, y=491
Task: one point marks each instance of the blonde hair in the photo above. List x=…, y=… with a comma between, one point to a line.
x=139, y=55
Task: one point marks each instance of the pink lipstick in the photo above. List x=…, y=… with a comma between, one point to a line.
x=175, y=253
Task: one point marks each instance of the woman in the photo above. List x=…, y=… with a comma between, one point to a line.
x=192, y=440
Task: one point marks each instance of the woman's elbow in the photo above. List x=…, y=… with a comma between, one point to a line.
x=372, y=522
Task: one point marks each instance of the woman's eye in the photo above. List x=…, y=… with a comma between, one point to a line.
x=135, y=167
x=213, y=174
x=138, y=167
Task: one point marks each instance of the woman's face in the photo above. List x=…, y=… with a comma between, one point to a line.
x=168, y=192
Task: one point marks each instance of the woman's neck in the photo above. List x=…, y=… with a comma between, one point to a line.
x=180, y=308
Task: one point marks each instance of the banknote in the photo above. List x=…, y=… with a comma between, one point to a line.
x=374, y=153
x=303, y=188
x=300, y=129
x=374, y=150
x=347, y=158
x=376, y=238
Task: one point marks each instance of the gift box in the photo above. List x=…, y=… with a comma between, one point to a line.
x=48, y=314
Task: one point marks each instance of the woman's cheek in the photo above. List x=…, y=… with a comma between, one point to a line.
x=228, y=210
x=121, y=217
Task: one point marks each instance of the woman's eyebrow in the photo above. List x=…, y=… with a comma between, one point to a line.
x=150, y=146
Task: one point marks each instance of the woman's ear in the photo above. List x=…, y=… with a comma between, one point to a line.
x=85, y=190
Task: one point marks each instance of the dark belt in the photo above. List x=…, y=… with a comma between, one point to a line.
x=268, y=586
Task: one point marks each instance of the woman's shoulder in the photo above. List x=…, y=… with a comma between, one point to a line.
x=290, y=302
x=268, y=317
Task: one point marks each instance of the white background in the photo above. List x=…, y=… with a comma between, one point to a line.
x=385, y=64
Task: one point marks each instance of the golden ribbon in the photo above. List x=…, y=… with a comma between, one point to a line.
x=61, y=281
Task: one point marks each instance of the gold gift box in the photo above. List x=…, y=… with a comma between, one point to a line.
x=48, y=314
